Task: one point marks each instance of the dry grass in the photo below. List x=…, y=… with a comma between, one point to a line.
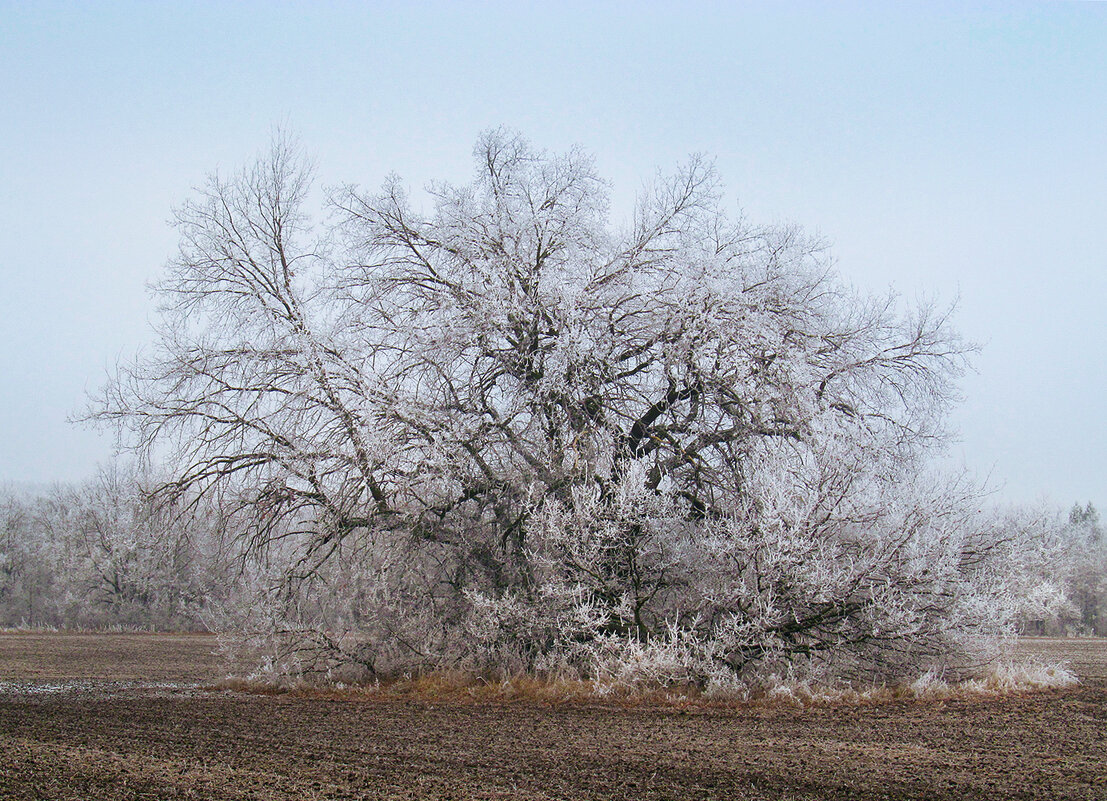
x=466, y=688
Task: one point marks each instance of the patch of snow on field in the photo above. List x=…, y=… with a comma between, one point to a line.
x=85, y=687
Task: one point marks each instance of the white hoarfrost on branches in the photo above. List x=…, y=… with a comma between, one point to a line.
x=506, y=435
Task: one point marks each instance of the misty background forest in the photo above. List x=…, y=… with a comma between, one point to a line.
x=502, y=435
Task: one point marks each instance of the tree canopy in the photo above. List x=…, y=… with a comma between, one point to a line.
x=504, y=432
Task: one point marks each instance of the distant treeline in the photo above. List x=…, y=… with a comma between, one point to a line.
x=1084, y=579
x=103, y=555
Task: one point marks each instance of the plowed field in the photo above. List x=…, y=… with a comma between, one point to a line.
x=123, y=717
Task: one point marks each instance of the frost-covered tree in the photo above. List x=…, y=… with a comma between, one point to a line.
x=25, y=577
x=1088, y=582
x=506, y=433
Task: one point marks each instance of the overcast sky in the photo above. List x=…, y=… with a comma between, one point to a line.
x=948, y=151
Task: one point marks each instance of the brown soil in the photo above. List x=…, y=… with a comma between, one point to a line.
x=112, y=717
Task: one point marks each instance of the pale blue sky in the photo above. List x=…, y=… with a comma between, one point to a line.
x=947, y=150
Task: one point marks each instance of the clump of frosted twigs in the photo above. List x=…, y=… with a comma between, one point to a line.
x=1002, y=679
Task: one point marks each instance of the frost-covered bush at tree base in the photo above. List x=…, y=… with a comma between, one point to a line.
x=506, y=435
